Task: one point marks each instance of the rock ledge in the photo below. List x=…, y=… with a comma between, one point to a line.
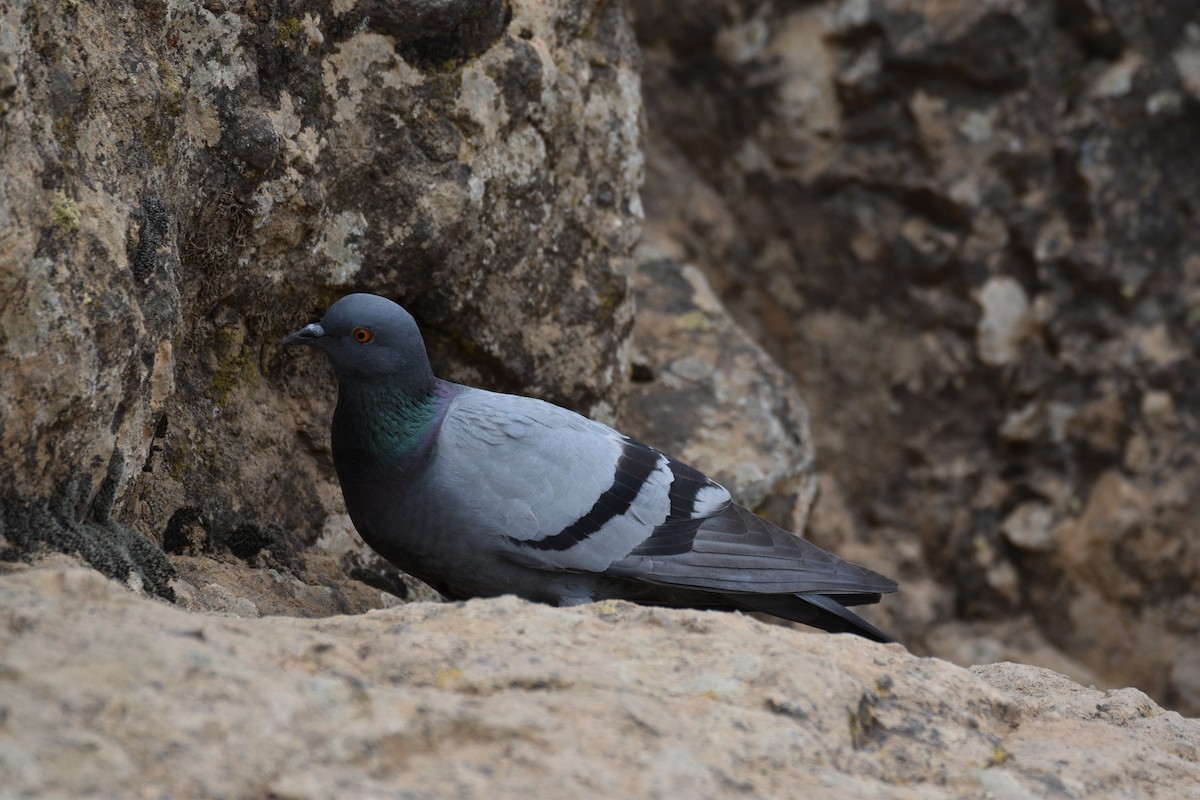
x=107, y=693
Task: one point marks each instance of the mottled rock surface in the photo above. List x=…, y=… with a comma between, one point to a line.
x=107, y=694
x=704, y=391
x=186, y=182
x=965, y=230
x=968, y=230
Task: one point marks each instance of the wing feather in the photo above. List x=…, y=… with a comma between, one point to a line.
x=557, y=492
x=599, y=494
x=739, y=552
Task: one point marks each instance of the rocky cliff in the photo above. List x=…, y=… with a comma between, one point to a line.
x=186, y=182
x=963, y=232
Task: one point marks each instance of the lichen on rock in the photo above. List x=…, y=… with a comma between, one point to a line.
x=185, y=183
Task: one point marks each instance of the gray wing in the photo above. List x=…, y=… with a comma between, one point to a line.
x=738, y=552
x=557, y=491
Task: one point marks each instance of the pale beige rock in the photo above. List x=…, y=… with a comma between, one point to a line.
x=1031, y=527
x=107, y=694
x=1006, y=321
x=1187, y=62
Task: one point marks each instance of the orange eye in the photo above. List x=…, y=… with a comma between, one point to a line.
x=362, y=335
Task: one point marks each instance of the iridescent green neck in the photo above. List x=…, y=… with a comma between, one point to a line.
x=383, y=421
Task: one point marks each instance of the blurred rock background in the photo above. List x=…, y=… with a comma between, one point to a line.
x=968, y=230
x=964, y=232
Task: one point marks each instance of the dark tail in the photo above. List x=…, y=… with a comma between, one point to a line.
x=820, y=611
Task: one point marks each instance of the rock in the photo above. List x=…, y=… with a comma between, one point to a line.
x=501, y=698
x=964, y=229
x=1016, y=640
x=1006, y=321
x=875, y=192
x=184, y=183
x=1187, y=62
x=704, y=391
x=1030, y=527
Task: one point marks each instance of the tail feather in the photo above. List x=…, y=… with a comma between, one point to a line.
x=817, y=610
x=739, y=552
x=737, y=559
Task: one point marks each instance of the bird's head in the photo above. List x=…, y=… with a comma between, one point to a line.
x=368, y=336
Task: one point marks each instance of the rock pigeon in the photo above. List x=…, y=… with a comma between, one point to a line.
x=481, y=494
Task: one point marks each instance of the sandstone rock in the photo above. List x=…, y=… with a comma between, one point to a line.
x=107, y=694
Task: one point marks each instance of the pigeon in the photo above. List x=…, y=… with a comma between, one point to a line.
x=481, y=494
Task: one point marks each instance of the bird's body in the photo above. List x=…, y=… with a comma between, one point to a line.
x=482, y=494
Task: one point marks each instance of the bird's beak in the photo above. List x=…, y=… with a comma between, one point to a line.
x=309, y=334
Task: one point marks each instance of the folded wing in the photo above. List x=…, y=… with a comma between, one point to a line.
x=559, y=492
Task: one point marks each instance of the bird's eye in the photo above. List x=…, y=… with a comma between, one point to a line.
x=362, y=335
